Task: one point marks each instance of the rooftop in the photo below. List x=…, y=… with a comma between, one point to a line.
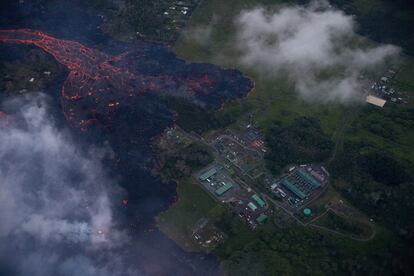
x=223, y=189
x=258, y=200
x=289, y=185
x=375, y=101
x=208, y=174
x=252, y=206
x=262, y=218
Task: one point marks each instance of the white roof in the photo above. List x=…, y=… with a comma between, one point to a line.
x=375, y=101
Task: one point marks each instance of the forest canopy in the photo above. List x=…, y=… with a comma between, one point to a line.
x=302, y=141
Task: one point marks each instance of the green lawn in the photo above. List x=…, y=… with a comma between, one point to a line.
x=193, y=204
x=345, y=225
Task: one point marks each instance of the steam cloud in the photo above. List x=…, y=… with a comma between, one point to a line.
x=53, y=196
x=309, y=43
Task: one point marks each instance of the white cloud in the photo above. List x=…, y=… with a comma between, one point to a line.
x=53, y=195
x=304, y=41
x=56, y=197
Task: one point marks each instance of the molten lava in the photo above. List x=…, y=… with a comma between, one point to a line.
x=98, y=84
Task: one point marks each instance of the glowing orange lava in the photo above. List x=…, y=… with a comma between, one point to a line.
x=93, y=81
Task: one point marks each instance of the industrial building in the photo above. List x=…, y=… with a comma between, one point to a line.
x=301, y=182
x=215, y=179
x=293, y=189
x=261, y=219
x=220, y=191
x=308, y=179
x=252, y=206
x=375, y=101
x=258, y=200
x=208, y=174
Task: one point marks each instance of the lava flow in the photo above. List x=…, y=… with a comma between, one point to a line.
x=97, y=83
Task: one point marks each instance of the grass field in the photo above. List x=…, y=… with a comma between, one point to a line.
x=179, y=220
x=346, y=225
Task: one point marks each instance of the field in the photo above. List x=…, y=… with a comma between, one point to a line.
x=193, y=204
x=363, y=128
x=346, y=226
